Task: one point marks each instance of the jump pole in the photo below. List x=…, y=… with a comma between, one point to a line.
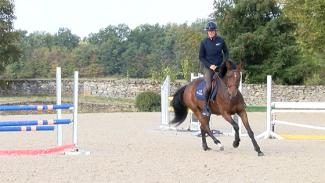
x=35, y=122
x=76, y=151
x=35, y=107
x=26, y=128
x=58, y=102
x=75, y=107
x=269, y=134
x=5, y=127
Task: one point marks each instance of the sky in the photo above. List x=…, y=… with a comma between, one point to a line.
x=83, y=17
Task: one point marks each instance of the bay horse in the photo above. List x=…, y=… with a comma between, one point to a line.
x=228, y=101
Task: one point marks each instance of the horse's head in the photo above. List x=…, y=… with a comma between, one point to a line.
x=232, y=78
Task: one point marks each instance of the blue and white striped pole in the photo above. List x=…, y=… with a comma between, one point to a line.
x=35, y=122
x=26, y=128
x=34, y=107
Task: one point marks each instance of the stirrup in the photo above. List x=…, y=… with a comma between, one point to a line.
x=206, y=112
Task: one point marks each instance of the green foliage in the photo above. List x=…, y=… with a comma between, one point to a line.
x=88, y=61
x=9, y=38
x=64, y=38
x=148, y=102
x=317, y=74
x=264, y=39
x=170, y=72
x=186, y=69
x=187, y=41
x=309, y=15
x=146, y=51
x=109, y=47
x=285, y=40
x=161, y=75
x=315, y=79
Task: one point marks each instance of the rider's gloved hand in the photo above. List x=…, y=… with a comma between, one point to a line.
x=213, y=67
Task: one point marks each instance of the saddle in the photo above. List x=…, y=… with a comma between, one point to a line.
x=199, y=92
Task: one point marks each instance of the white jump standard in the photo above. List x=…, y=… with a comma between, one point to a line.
x=278, y=107
x=46, y=125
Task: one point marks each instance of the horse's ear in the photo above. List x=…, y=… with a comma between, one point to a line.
x=240, y=66
x=229, y=65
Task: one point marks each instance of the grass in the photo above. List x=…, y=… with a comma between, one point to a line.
x=255, y=108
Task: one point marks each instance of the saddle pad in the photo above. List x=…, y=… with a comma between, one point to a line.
x=199, y=92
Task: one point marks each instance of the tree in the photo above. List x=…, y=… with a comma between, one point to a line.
x=180, y=56
x=258, y=34
x=145, y=46
x=309, y=15
x=87, y=60
x=40, y=56
x=121, y=32
x=187, y=43
x=109, y=43
x=9, y=51
x=65, y=38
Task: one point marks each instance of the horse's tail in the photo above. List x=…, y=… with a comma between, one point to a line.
x=179, y=107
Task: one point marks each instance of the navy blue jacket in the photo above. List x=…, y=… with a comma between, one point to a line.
x=212, y=51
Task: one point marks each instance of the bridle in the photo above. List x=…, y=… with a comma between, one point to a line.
x=233, y=86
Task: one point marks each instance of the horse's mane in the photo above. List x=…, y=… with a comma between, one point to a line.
x=223, y=68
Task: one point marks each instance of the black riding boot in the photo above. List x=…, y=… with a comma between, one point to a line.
x=206, y=110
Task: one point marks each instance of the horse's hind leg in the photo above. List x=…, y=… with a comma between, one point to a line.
x=243, y=116
x=215, y=140
x=204, y=140
x=205, y=129
x=228, y=118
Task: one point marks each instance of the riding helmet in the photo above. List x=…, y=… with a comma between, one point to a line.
x=211, y=26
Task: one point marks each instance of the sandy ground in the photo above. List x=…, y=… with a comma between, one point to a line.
x=130, y=147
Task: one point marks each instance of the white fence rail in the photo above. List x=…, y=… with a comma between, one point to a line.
x=286, y=107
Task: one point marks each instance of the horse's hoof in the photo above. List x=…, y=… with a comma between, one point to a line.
x=221, y=148
x=235, y=144
x=206, y=148
x=260, y=154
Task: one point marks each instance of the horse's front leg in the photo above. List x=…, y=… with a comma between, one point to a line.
x=244, y=118
x=228, y=118
x=205, y=128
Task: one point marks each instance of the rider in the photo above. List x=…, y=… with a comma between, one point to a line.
x=213, y=49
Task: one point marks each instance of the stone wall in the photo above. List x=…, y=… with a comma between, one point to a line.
x=254, y=94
